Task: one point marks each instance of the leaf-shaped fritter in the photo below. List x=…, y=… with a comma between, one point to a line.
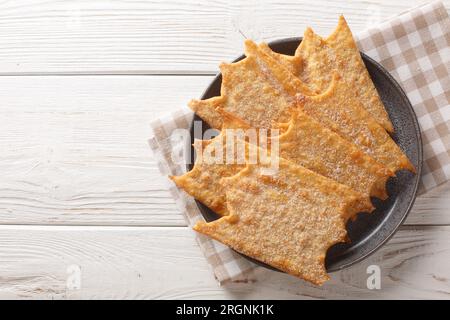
x=222, y=156
x=287, y=220
x=344, y=115
x=339, y=110
x=252, y=92
x=316, y=58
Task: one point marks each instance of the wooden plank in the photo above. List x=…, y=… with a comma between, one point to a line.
x=74, y=151
x=413, y=265
x=182, y=36
x=165, y=263
x=432, y=207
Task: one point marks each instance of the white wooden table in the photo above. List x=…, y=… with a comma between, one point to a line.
x=81, y=196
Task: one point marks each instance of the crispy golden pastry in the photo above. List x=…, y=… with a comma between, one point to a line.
x=341, y=51
x=308, y=143
x=206, y=109
x=287, y=220
x=292, y=63
x=284, y=81
x=316, y=58
x=285, y=199
x=217, y=158
x=338, y=110
x=345, y=115
x=252, y=92
x=202, y=182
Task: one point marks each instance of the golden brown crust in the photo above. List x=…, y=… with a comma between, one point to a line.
x=259, y=89
x=344, y=114
x=202, y=182
x=338, y=109
x=339, y=52
x=251, y=89
x=212, y=164
x=230, y=121
x=251, y=95
x=288, y=220
x=291, y=63
x=308, y=143
x=206, y=109
x=290, y=84
x=248, y=93
x=305, y=142
x=334, y=152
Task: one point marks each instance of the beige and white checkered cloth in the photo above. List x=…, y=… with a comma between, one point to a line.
x=415, y=48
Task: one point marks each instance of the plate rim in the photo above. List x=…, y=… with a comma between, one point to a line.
x=418, y=173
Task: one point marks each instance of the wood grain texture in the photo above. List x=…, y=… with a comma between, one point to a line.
x=74, y=151
x=183, y=36
x=165, y=263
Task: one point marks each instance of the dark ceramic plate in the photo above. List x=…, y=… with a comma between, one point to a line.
x=369, y=231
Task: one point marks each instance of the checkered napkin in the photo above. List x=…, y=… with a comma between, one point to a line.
x=415, y=48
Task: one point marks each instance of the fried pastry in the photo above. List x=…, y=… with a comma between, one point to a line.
x=345, y=115
x=202, y=182
x=338, y=110
x=306, y=142
x=316, y=58
x=223, y=156
x=287, y=220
